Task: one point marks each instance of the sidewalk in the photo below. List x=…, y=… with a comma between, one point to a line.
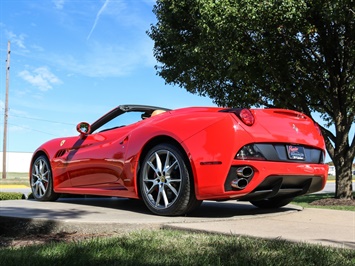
x=321, y=226
x=317, y=226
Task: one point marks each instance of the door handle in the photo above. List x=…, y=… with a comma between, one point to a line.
x=124, y=140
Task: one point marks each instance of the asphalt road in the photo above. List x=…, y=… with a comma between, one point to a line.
x=330, y=187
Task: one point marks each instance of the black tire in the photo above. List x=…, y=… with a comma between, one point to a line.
x=165, y=182
x=272, y=203
x=42, y=181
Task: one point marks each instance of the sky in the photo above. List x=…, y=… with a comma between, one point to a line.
x=73, y=61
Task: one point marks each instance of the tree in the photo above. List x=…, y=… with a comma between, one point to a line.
x=295, y=54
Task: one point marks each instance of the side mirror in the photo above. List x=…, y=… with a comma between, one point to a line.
x=83, y=128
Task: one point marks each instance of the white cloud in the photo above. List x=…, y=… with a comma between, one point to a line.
x=41, y=78
x=19, y=40
x=58, y=3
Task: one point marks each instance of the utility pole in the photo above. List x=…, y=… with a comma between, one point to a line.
x=6, y=113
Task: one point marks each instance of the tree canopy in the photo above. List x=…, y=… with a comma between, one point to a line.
x=295, y=54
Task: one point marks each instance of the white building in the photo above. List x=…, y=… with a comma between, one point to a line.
x=331, y=170
x=17, y=162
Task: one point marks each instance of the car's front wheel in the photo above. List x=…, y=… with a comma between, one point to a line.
x=272, y=203
x=42, y=181
x=165, y=182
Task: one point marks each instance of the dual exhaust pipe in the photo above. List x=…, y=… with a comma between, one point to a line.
x=244, y=173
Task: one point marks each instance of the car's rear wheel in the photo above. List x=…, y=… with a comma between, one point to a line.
x=165, y=182
x=42, y=180
x=272, y=203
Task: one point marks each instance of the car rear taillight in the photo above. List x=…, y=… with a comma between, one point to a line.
x=243, y=114
x=250, y=152
x=247, y=117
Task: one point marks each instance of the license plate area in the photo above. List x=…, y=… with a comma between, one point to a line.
x=295, y=152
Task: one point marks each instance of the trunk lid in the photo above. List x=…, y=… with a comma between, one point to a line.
x=284, y=126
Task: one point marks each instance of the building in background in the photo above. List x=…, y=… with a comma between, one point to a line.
x=17, y=162
x=331, y=170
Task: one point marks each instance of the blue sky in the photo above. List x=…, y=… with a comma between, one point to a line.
x=73, y=61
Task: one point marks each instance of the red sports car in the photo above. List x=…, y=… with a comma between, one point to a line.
x=175, y=159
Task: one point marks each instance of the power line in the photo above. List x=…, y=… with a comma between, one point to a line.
x=36, y=130
x=44, y=120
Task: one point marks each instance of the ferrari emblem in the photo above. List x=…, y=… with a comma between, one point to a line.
x=295, y=128
x=62, y=142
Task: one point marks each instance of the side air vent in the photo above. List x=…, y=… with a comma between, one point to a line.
x=60, y=153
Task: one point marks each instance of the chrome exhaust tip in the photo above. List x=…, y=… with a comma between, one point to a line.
x=239, y=183
x=245, y=171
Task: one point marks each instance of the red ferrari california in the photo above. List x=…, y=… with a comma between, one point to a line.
x=175, y=159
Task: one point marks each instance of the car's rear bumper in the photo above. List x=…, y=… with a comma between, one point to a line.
x=268, y=179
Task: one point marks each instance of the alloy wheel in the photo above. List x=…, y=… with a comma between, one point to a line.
x=162, y=179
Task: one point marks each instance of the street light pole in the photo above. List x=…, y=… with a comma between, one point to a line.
x=6, y=113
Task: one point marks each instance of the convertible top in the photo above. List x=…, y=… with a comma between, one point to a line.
x=147, y=109
x=143, y=108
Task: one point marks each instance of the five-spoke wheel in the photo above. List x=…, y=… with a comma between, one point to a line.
x=165, y=182
x=41, y=180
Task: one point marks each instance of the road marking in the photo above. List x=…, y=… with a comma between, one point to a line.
x=13, y=186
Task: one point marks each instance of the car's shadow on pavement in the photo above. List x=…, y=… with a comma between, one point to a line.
x=107, y=215
x=229, y=209
x=208, y=209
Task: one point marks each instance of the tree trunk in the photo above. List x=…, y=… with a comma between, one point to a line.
x=342, y=155
x=343, y=171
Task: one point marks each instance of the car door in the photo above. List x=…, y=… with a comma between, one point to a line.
x=97, y=159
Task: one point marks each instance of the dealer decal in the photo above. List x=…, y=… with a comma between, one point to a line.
x=295, y=152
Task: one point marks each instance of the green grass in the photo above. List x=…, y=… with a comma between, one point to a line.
x=15, y=179
x=166, y=247
x=331, y=177
x=14, y=175
x=305, y=202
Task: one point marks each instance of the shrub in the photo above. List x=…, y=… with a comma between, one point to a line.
x=12, y=196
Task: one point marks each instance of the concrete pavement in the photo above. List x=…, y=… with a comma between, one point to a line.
x=317, y=226
x=112, y=215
